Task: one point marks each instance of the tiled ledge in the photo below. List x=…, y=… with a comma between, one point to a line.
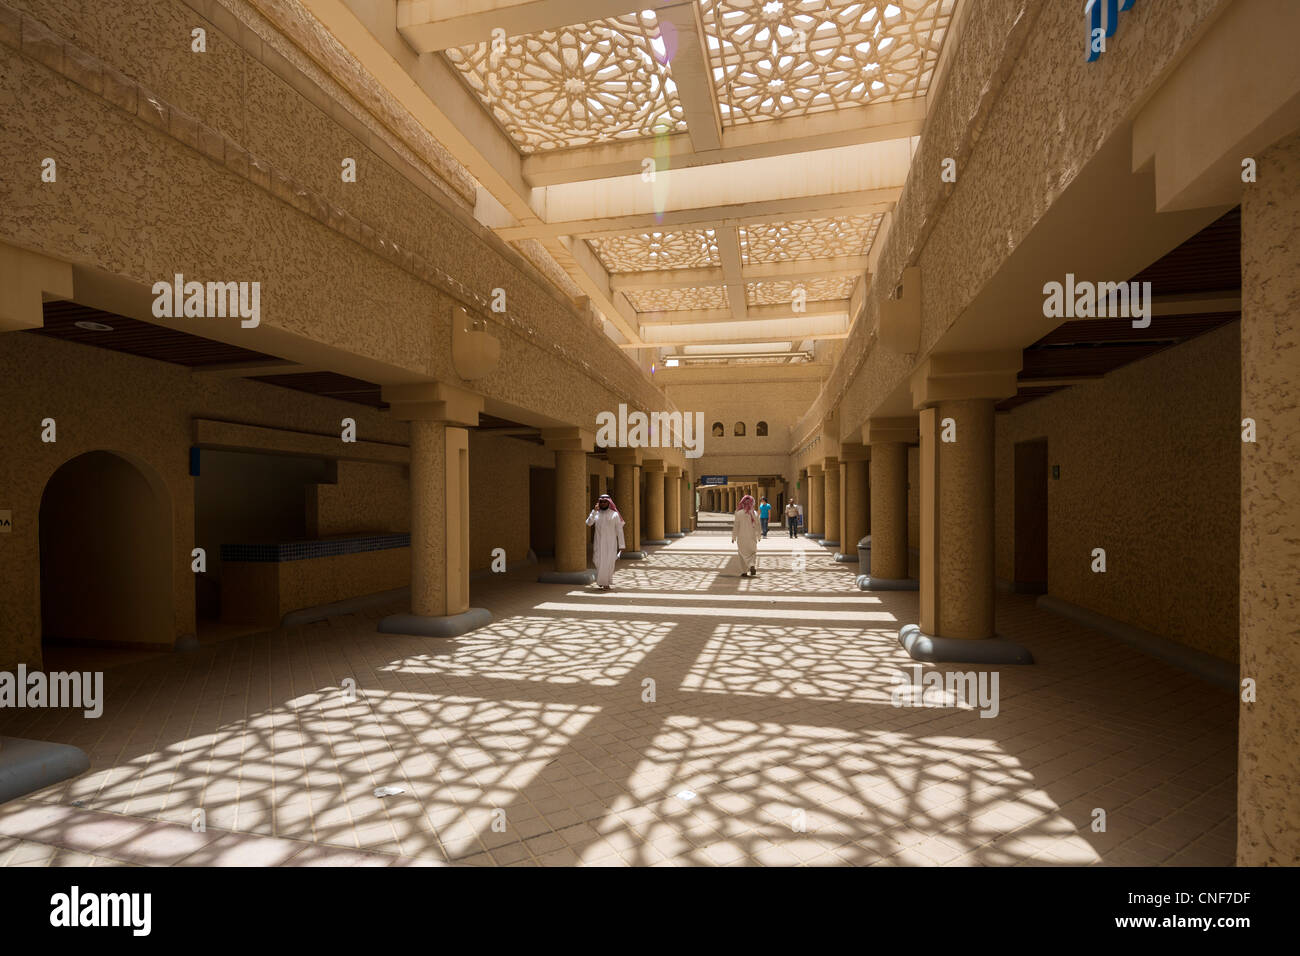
x=305, y=550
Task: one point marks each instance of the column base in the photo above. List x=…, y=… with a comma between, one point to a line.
x=814, y=536
x=846, y=558
x=867, y=583
x=428, y=625
x=30, y=765
x=567, y=577
x=674, y=534
x=829, y=544
x=934, y=650
x=656, y=542
x=632, y=556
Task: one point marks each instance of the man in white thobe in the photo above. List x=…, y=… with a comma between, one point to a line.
x=744, y=533
x=607, y=541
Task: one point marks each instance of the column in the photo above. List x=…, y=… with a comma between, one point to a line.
x=889, y=439
x=955, y=394
x=653, y=471
x=814, y=513
x=438, y=416
x=627, y=465
x=1268, y=771
x=571, y=447
x=672, y=502
x=831, y=501
x=688, y=505
x=853, y=463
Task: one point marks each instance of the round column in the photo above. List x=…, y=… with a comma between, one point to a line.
x=831, y=507
x=571, y=507
x=888, y=510
x=964, y=508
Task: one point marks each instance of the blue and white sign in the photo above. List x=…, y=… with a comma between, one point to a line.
x=1098, y=30
x=712, y=480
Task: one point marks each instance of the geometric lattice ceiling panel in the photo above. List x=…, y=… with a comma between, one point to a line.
x=677, y=300
x=781, y=291
x=808, y=238
x=776, y=58
x=683, y=249
x=578, y=85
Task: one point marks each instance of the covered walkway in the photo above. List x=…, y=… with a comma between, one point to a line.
x=770, y=738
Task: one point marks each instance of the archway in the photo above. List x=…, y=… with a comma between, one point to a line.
x=105, y=542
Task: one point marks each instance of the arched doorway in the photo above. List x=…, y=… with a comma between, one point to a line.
x=105, y=543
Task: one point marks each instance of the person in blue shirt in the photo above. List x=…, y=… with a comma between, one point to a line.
x=764, y=510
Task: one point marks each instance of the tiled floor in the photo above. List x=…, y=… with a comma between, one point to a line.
x=686, y=717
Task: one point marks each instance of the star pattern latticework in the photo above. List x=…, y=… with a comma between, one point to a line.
x=778, y=58
x=645, y=251
x=578, y=85
x=808, y=238
x=781, y=291
x=678, y=300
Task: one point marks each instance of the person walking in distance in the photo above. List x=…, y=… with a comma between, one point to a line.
x=744, y=534
x=607, y=541
x=764, y=511
x=791, y=517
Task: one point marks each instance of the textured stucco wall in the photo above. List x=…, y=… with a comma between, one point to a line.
x=137, y=408
x=1149, y=459
x=1268, y=798
x=365, y=497
x=1023, y=113
x=342, y=265
x=779, y=403
x=498, y=496
x=914, y=497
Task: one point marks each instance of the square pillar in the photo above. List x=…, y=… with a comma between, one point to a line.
x=438, y=416
x=815, y=511
x=888, y=440
x=955, y=395
x=672, y=502
x=653, y=472
x=571, y=447
x=627, y=481
x=853, y=464
x=831, y=502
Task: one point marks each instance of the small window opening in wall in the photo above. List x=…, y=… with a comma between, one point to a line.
x=718, y=430
x=760, y=430
x=739, y=429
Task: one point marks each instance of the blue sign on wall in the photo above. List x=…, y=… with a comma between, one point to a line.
x=1098, y=31
x=712, y=480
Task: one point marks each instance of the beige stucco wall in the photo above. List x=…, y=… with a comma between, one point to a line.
x=498, y=496
x=349, y=270
x=137, y=408
x=777, y=400
x=1023, y=113
x=1268, y=823
x=1149, y=460
x=365, y=497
